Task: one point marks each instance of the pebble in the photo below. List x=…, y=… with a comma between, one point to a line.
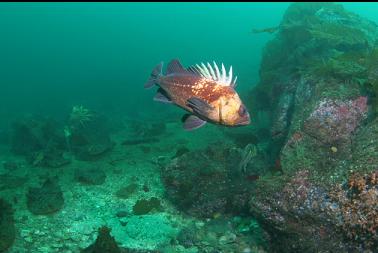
x=37, y=232
x=84, y=244
x=25, y=233
x=84, y=238
x=229, y=238
x=247, y=250
x=122, y=213
x=123, y=221
x=200, y=224
x=44, y=249
x=56, y=245
x=192, y=250
x=28, y=239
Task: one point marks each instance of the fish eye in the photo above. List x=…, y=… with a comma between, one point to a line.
x=242, y=110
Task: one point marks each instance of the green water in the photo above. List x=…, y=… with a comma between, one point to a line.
x=58, y=55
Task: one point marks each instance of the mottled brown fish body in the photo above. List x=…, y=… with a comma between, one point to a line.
x=181, y=87
x=207, y=94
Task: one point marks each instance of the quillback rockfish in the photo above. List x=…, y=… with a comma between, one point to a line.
x=207, y=93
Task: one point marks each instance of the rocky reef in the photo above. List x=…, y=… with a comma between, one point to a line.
x=207, y=182
x=317, y=83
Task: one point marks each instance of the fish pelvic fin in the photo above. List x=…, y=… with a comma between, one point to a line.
x=156, y=73
x=192, y=122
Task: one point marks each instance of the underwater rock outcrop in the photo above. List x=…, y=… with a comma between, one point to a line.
x=105, y=243
x=88, y=135
x=7, y=228
x=40, y=141
x=205, y=182
x=316, y=76
x=46, y=199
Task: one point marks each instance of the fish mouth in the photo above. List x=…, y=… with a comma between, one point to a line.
x=243, y=121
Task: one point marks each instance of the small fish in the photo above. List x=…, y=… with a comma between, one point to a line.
x=252, y=177
x=266, y=30
x=206, y=93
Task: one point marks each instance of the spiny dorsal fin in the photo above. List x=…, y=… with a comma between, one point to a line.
x=220, y=76
x=175, y=67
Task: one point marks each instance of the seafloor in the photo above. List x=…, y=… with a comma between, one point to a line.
x=89, y=207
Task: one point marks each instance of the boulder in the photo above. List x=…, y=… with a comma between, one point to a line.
x=7, y=227
x=105, y=243
x=46, y=199
x=316, y=73
x=206, y=182
x=89, y=140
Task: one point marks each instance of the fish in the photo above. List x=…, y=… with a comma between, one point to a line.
x=266, y=30
x=253, y=177
x=207, y=93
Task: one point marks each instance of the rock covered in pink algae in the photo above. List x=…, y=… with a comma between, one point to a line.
x=334, y=119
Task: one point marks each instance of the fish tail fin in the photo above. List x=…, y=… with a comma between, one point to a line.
x=156, y=73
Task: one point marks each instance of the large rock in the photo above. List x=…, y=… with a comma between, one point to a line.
x=90, y=140
x=316, y=73
x=105, y=243
x=7, y=228
x=46, y=199
x=207, y=182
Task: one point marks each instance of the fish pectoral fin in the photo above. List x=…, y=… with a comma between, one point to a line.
x=192, y=122
x=199, y=106
x=162, y=97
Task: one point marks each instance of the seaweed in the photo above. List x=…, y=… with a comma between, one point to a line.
x=339, y=35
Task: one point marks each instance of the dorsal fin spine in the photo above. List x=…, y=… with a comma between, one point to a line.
x=229, y=80
x=234, y=83
x=223, y=79
x=206, y=71
x=214, y=73
x=217, y=71
x=211, y=71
